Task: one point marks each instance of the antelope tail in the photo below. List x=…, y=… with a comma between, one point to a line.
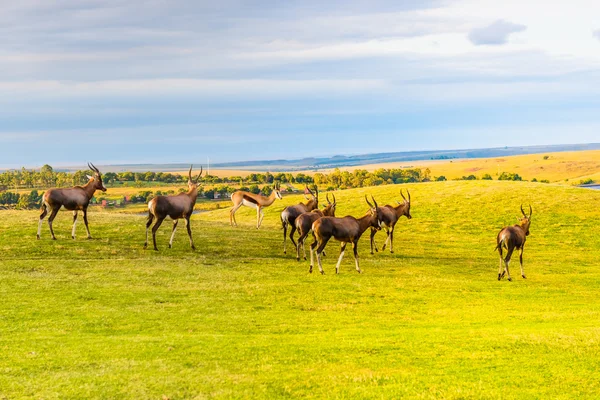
x=499, y=245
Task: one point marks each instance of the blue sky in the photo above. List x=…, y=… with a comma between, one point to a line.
x=122, y=81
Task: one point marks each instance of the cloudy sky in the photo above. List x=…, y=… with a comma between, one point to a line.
x=177, y=81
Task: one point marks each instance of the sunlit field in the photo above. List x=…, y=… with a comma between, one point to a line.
x=556, y=167
x=239, y=319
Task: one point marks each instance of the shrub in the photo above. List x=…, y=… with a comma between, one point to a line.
x=509, y=176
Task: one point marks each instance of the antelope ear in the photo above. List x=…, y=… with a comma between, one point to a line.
x=90, y=177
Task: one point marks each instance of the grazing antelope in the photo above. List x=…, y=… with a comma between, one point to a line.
x=176, y=207
x=241, y=198
x=73, y=199
x=511, y=238
x=290, y=213
x=304, y=223
x=391, y=215
x=346, y=230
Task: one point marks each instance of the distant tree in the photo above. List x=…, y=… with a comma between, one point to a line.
x=254, y=189
x=487, y=177
x=441, y=178
x=266, y=190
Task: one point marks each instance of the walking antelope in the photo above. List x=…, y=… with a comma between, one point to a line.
x=304, y=223
x=241, y=198
x=511, y=238
x=73, y=199
x=176, y=207
x=345, y=230
x=391, y=215
x=290, y=213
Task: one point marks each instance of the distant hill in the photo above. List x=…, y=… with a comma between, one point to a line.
x=376, y=158
x=341, y=161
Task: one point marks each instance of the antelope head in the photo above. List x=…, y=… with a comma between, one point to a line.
x=376, y=213
x=406, y=205
x=314, y=201
x=97, y=178
x=526, y=220
x=329, y=210
x=277, y=190
x=193, y=183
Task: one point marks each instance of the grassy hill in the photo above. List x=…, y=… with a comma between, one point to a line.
x=239, y=319
x=555, y=167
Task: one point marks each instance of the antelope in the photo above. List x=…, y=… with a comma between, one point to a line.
x=241, y=198
x=304, y=223
x=345, y=230
x=391, y=215
x=290, y=213
x=176, y=207
x=511, y=238
x=73, y=199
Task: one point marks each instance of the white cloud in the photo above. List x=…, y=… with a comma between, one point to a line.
x=495, y=34
x=192, y=87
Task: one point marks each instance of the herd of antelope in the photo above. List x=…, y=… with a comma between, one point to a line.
x=303, y=217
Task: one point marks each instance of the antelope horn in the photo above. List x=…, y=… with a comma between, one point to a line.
x=530, y=211
x=368, y=202
x=523, y=212
x=190, y=173
x=408, y=195
x=402, y=194
x=93, y=167
x=334, y=200
x=198, y=178
x=374, y=202
x=327, y=198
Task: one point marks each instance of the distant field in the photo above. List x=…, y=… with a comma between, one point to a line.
x=573, y=166
x=239, y=319
x=221, y=173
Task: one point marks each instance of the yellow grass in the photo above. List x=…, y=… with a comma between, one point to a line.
x=574, y=166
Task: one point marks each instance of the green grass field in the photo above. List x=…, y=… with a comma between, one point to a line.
x=239, y=319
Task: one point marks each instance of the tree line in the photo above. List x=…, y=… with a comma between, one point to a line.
x=215, y=186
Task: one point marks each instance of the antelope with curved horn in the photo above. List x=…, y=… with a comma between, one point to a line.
x=290, y=213
x=511, y=238
x=74, y=199
x=305, y=221
x=241, y=198
x=345, y=230
x=176, y=207
x=391, y=215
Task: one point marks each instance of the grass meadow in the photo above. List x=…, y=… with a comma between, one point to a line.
x=239, y=319
x=568, y=167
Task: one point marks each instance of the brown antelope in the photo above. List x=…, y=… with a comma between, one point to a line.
x=511, y=238
x=391, y=215
x=176, y=207
x=346, y=230
x=74, y=199
x=290, y=213
x=241, y=198
x=304, y=223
